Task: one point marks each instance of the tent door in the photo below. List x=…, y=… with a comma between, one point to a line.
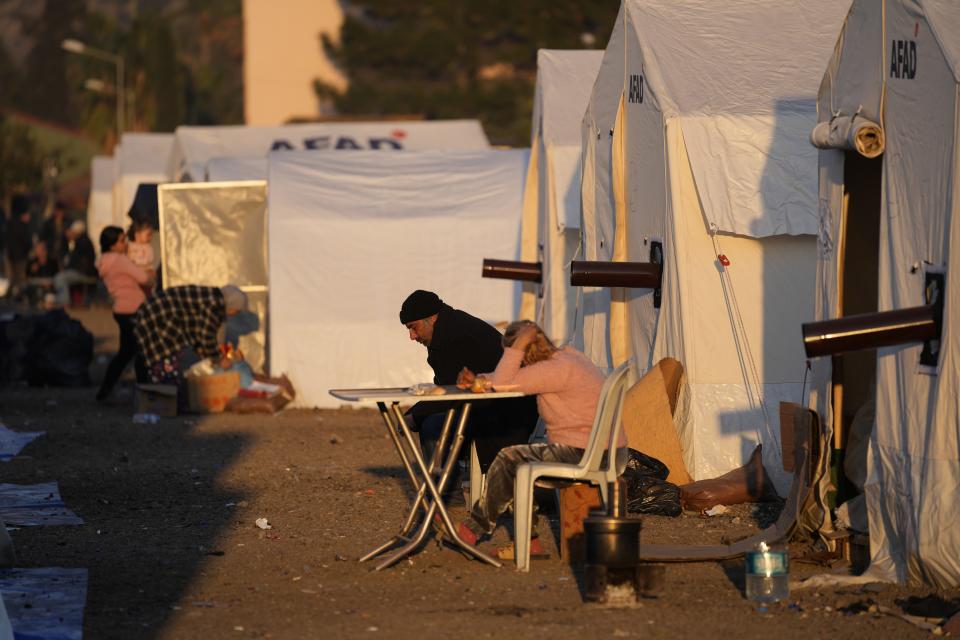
x=855, y=374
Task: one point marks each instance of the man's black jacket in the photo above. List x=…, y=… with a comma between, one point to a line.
x=461, y=340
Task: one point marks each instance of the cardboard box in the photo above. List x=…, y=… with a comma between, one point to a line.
x=160, y=399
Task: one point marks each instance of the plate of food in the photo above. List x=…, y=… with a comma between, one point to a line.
x=427, y=389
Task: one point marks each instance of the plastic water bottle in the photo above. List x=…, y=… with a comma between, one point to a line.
x=768, y=573
x=146, y=418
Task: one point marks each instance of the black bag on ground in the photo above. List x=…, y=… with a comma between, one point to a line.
x=59, y=352
x=648, y=491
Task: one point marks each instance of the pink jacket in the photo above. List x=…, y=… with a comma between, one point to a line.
x=124, y=280
x=567, y=387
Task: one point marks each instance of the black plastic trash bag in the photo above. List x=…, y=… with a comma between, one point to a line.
x=59, y=352
x=648, y=491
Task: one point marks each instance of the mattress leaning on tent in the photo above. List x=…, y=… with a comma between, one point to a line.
x=351, y=235
x=695, y=143
x=890, y=239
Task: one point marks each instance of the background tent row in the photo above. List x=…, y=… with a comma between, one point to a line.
x=217, y=232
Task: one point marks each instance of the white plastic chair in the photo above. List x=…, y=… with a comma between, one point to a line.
x=604, y=435
x=478, y=477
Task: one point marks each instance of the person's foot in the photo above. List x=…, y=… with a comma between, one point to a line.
x=467, y=534
x=537, y=552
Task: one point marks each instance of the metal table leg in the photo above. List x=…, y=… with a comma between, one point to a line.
x=437, y=503
x=404, y=535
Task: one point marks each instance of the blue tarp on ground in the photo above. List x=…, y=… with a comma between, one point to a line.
x=45, y=604
x=27, y=505
x=13, y=442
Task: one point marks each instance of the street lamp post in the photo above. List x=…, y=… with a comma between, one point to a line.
x=75, y=46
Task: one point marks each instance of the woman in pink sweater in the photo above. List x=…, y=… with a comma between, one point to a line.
x=126, y=283
x=567, y=385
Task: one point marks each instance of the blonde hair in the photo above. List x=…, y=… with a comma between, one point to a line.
x=540, y=349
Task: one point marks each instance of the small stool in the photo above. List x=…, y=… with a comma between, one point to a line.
x=576, y=502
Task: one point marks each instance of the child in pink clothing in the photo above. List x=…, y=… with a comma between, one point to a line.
x=567, y=385
x=139, y=249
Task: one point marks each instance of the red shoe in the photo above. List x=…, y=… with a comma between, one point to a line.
x=466, y=534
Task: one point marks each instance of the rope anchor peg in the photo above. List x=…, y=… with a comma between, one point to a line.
x=724, y=260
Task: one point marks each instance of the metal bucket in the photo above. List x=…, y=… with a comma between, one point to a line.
x=612, y=542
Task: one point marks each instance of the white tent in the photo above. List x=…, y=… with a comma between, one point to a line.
x=890, y=228
x=237, y=168
x=195, y=146
x=696, y=137
x=140, y=158
x=100, y=212
x=551, y=226
x=351, y=235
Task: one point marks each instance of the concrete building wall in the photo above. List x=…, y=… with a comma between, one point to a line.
x=283, y=55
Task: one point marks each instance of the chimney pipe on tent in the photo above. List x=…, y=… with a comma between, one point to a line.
x=872, y=330
x=631, y=275
x=885, y=328
x=512, y=270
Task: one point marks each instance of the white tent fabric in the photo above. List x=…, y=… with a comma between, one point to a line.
x=139, y=158
x=100, y=212
x=559, y=103
x=237, y=168
x=351, y=235
x=896, y=63
x=696, y=136
x=195, y=146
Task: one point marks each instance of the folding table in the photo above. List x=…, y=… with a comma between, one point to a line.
x=421, y=472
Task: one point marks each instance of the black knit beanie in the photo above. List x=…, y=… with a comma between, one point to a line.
x=420, y=304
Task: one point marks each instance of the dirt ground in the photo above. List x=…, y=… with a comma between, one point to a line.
x=173, y=551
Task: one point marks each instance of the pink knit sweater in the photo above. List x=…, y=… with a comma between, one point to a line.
x=124, y=281
x=567, y=387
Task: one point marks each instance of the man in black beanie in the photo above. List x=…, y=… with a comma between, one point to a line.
x=454, y=339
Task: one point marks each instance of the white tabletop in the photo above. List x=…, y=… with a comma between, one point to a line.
x=403, y=394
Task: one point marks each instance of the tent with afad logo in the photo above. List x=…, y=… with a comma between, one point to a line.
x=890, y=240
x=195, y=146
x=696, y=154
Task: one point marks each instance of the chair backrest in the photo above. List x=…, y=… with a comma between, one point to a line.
x=606, y=423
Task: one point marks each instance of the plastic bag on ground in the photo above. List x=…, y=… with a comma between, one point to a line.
x=648, y=491
x=59, y=352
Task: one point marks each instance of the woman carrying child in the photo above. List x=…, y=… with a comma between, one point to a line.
x=126, y=283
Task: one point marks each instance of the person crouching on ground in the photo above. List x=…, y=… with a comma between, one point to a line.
x=126, y=283
x=567, y=385
x=185, y=317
